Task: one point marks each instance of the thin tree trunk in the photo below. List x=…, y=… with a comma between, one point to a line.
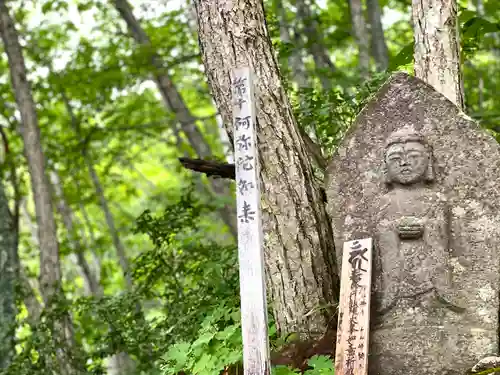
x=437, y=53
x=379, y=46
x=91, y=282
x=226, y=142
x=110, y=221
x=103, y=203
x=315, y=45
x=119, y=362
x=30, y=299
x=480, y=11
x=28, y=293
x=360, y=34
x=8, y=277
x=174, y=102
x=300, y=265
x=93, y=240
x=321, y=59
x=295, y=59
x=50, y=268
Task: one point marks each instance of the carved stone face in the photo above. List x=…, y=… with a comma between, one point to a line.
x=406, y=163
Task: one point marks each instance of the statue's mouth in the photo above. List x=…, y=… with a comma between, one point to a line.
x=406, y=171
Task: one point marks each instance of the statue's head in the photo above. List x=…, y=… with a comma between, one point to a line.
x=407, y=158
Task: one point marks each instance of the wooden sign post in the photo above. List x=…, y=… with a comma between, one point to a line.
x=250, y=235
x=351, y=357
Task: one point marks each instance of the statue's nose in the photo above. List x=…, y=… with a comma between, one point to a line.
x=403, y=162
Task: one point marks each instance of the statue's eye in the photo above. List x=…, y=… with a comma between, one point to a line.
x=414, y=155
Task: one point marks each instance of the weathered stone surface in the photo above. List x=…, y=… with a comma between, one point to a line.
x=423, y=180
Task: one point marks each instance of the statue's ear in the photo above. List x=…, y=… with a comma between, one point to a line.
x=385, y=174
x=429, y=174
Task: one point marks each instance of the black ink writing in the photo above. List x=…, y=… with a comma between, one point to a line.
x=245, y=162
x=245, y=186
x=242, y=122
x=243, y=142
x=356, y=257
x=239, y=102
x=247, y=214
x=239, y=89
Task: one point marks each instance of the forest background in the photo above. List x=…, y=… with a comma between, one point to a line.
x=143, y=277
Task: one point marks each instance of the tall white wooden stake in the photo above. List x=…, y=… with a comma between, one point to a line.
x=351, y=357
x=250, y=237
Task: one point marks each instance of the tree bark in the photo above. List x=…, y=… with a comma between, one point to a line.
x=379, y=46
x=360, y=34
x=300, y=264
x=50, y=268
x=437, y=53
x=174, y=102
x=8, y=277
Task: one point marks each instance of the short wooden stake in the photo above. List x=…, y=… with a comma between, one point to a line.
x=351, y=357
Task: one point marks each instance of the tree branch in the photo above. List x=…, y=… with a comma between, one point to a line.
x=210, y=168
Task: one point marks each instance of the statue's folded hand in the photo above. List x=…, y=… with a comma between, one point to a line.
x=410, y=228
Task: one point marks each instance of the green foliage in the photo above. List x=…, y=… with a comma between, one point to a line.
x=192, y=282
x=319, y=365
x=217, y=345
x=328, y=115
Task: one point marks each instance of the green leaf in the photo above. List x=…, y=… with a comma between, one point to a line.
x=47, y=7
x=204, y=339
x=178, y=353
x=477, y=27
x=228, y=332
x=320, y=362
x=283, y=370
x=205, y=365
x=404, y=57
x=466, y=15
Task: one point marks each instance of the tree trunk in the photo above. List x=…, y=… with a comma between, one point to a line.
x=50, y=268
x=315, y=45
x=437, y=54
x=91, y=281
x=8, y=277
x=96, y=261
x=174, y=102
x=33, y=305
x=119, y=363
x=295, y=61
x=110, y=221
x=300, y=264
x=360, y=34
x=379, y=46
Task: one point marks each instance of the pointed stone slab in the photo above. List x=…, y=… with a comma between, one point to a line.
x=436, y=272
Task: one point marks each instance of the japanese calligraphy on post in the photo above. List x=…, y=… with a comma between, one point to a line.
x=351, y=357
x=250, y=236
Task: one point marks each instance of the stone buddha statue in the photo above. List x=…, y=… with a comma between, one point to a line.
x=412, y=236
x=413, y=293
x=428, y=195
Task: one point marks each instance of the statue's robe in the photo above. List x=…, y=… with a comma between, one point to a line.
x=416, y=293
